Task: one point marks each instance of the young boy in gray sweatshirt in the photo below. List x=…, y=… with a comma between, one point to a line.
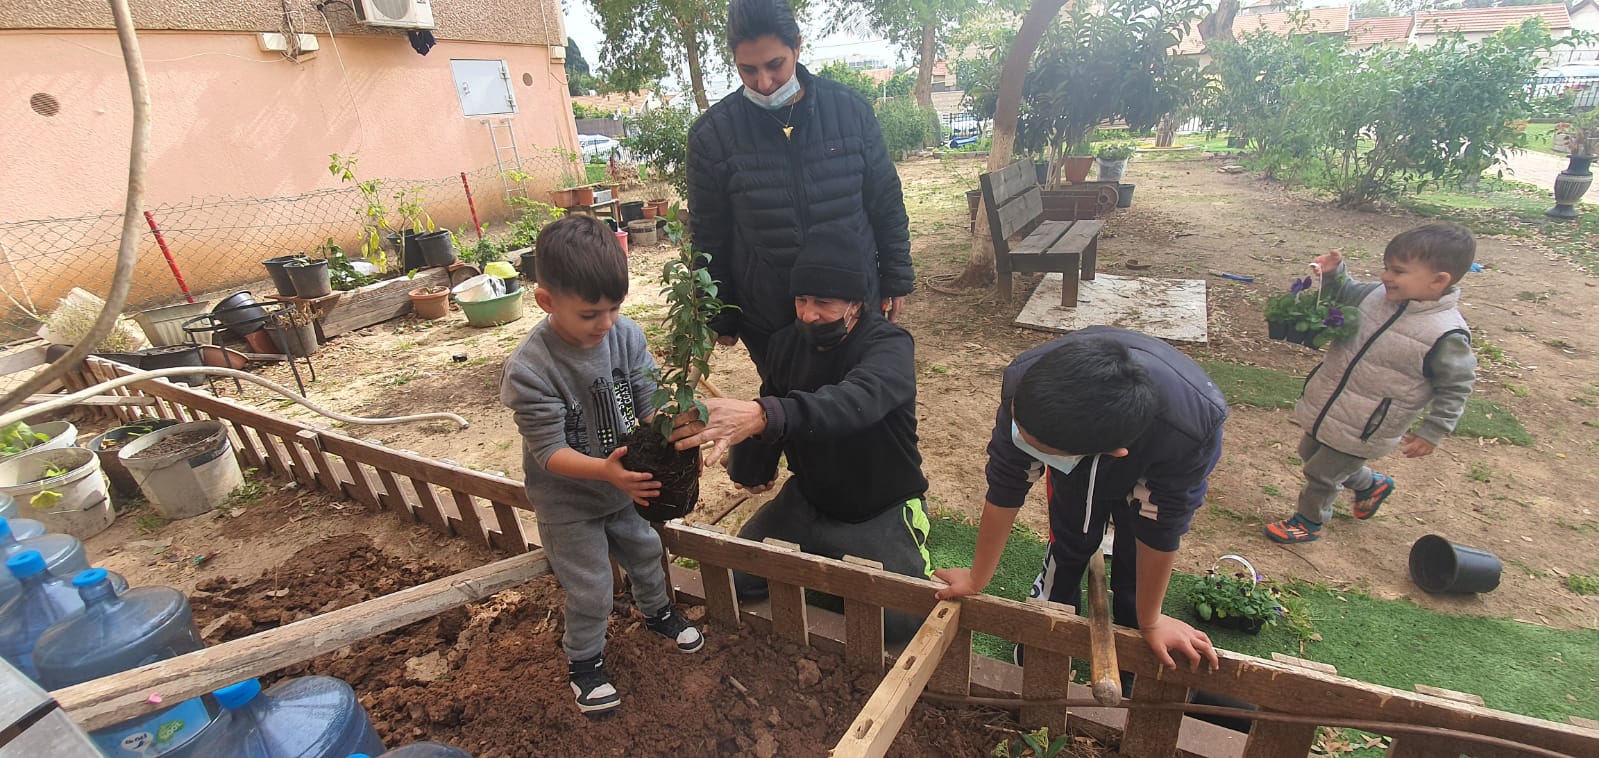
x=577, y=383
x=1410, y=359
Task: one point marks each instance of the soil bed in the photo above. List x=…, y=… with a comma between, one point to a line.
x=490, y=678
x=175, y=443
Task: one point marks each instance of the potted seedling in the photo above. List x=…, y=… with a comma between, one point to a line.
x=1111, y=159
x=1309, y=321
x=1242, y=600
x=691, y=304
x=433, y=244
x=375, y=225
x=295, y=331
x=431, y=302
x=343, y=274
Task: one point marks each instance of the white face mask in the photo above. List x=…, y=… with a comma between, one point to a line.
x=784, y=94
x=1061, y=463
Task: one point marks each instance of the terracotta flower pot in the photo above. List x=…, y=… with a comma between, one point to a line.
x=1074, y=168
x=430, y=305
x=585, y=195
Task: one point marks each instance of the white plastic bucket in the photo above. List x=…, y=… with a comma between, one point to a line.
x=188, y=481
x=82, y=510
x=480, y=287
x=61, y=434
x=164, y=325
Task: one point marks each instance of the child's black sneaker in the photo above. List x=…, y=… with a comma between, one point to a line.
x=595, y=695
x=671, y=625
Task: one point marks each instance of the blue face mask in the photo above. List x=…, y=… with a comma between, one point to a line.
x=784, y=94
x=1061, y=463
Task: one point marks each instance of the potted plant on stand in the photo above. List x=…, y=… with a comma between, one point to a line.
x=1111, y=160
x=691, y=304
x=432, y=243
x=1581, y=139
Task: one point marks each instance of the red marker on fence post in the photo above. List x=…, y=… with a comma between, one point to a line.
x=471, y=206
x=171, y=263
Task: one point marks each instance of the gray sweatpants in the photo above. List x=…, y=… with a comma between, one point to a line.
x=897, y=538
x=580, y=554
x=1327, y=472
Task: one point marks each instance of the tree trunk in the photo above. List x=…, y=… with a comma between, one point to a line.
x=926, y=57
x=1166, y=133
x=696, y=77
x=1219, y=24
x=980, y=268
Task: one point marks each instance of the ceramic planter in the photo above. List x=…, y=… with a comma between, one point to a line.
x=430, y=305
x=1570, y=186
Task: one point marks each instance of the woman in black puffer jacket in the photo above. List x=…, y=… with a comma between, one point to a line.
x=784, y=153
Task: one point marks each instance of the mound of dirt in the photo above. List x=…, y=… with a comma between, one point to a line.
x=491, y=677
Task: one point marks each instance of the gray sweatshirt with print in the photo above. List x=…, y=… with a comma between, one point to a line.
x=586, y=400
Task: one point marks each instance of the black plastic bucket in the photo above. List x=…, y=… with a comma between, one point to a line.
x=632, y=210
x=280, y=277
x=436, y=248
x=1440, y=566
x=240, y=313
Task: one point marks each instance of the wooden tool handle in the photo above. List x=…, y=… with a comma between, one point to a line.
x=1107, y=685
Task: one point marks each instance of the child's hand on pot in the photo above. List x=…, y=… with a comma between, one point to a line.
x=639, y=485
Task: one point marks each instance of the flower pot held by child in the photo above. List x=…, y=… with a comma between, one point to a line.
x=184, y=470
x=431, y=303
x=676, y=470
x=106, y=447
x=437, y=250
x=62, y=488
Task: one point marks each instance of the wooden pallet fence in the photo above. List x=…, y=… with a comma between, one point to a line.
x=405, y=482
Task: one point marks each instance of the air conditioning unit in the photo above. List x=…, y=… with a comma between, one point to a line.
x=403, y=14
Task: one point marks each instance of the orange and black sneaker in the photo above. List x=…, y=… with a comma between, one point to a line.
x=1294, y=529
x=1368, y=500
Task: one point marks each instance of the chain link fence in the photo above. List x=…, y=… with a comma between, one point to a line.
x=217, y=243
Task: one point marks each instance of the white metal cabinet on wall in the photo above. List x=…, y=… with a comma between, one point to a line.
x=484, y=87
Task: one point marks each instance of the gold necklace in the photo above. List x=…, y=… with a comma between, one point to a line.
x=788, y=131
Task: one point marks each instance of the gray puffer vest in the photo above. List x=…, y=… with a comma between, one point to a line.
x=1370, y=389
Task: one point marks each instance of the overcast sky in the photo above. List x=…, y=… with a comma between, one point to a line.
x=582, y=27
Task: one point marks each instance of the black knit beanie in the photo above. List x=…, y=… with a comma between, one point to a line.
x=833, y=263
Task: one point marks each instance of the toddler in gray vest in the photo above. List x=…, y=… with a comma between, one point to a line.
x=1410, y=359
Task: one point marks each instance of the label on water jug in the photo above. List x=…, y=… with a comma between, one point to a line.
x=155, y=735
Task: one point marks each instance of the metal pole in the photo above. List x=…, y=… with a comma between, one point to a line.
x=171, y=263
x=472, y=206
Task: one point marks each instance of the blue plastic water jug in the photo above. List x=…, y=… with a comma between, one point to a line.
x=24, y=528
x=43, y=601
x=424, y=750
x=116, y=632
x=308, y=717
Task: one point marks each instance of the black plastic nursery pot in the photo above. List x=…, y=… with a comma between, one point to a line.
x=529, y=266
x=409, y=253
x=633, y=210
x=280, y=277
x=1124, y=195
x=240, y=313
x=1439, y=566
x=1277, y=330
x=310, y=277
x=437, y=250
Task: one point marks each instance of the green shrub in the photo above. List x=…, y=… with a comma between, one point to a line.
x=906, y=126
x=660, y=141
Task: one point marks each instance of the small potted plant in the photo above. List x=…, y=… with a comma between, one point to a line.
x=431, y=302
x=1242, y=600
x=295, y=331
x=1309, y=321
x=433, y=244
x=691, y=304
x=1111, y=159
x=310, y=276
x=343, y=273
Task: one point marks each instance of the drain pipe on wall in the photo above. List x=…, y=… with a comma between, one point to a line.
x=67, y=401
x=128, y=250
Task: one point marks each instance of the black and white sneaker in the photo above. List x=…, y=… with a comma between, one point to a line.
x=669, y=624
x=593, y=689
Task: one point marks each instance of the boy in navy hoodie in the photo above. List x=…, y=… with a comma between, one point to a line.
x=1124, y=429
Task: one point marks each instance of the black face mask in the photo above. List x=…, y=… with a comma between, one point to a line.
x=824, y=335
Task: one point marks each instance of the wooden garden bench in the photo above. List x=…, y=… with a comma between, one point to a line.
x=1016, y=209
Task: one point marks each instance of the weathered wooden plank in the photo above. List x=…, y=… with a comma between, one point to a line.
x=1149, y=733
x=1042, y=238
x=374, y=303
x=721, y=604
x=1046, y=674
x=276, y=460
x=428, y=507
x=96, y=400
x=787, y=603
x=360, y=486
x=324, y=470
x=1269, y=739
x=495, y=489
x=1013, y=180
x=113, y=699
x=509, y=535
x=300, y=463
x=1455, y=695
x=1325, y=668
x=392, y=495
x=879, y=721
x=1015, y=215
x=1079, y=236
x=863, y=625
x=471, y=523
x=954, y=673
x=1421, y=747
x=22, y=358
x=247, y=446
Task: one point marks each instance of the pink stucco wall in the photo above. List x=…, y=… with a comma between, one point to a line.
x=231, y=120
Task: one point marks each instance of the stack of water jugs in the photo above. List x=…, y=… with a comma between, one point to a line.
x=64, y=623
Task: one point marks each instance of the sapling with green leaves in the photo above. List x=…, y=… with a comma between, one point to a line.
x=374, y=213
x=691, y=304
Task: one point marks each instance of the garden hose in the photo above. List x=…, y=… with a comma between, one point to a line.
x=140, y=376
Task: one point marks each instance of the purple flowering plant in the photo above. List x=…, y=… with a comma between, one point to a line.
x=1310, y=313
